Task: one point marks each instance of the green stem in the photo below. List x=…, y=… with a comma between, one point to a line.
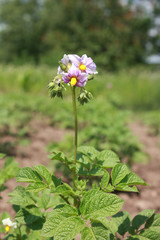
x=76, y=132
x=20, y=232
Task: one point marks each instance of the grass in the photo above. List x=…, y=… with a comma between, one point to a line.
x=139, y=89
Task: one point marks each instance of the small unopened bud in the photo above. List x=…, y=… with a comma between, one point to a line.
x=56, y=87
x=51, y=85
x=58, y=79
x=91, y=77
x=63, y=66
x=89, y=95
x=84, y=96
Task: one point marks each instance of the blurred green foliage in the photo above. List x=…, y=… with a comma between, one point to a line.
x=41, y=31
x=102, y=122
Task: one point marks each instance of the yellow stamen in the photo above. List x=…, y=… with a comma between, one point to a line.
x=73, y=81
x=82, y=67
x=7, y=228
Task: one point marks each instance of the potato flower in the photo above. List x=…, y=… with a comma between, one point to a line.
x=9, y=224
x=75, y=77
x=84, y=64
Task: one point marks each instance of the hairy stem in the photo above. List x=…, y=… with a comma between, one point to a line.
x=76, y=132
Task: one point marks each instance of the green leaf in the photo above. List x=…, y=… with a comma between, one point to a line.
x=69, y=229
x=36, y=187
x=122, y=220
x=2, y=155
x=84, y=161
x=43, y=172
x=28, y=175
x=110, y=225
x=154, y=221
x=44, y=199
x=126, y=188
x=109, y=188
x=150, y=235
x=62, y=228
x=96, y=171
x=133, y=179
x=97, y=232
x=29, y=216
x=155, y=229
x=104, y=180
x=107, y=159
x=54, y=201
x=141, y=218
x=51, y=224
x=56, y=181
x=8, y=161
x=90, y=152
x=10, y=168
x=88, y=234
x=21, y=197
x=118, y=173
x=63, y=209
x=101, y=232
x=60, y=156
x=64, y=189
x=97, y=202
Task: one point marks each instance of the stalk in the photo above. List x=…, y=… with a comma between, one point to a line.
x=75, y=132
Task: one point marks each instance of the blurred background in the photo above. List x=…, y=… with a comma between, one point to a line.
x=115, y=33
x=123, y=38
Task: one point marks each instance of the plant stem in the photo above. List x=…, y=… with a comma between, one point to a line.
x=75, y=131
x=20, y=232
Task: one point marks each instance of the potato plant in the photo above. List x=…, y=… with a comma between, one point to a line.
x=48, y=208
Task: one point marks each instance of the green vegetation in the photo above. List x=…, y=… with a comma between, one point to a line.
x=8, y=171
x=152, y=119
x=42, y=30
x=18, y=105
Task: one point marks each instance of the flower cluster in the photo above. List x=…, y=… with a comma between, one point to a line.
x=74, y=71
x=9, y=224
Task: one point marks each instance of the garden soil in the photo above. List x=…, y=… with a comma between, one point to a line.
x=41, y=134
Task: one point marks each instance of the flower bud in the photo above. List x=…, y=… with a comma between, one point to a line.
x=56, y=87
x=58, y=79
x=63, y=66
x=84, y=96
x=89, y=95
x=51, y=85
x=91, y=77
